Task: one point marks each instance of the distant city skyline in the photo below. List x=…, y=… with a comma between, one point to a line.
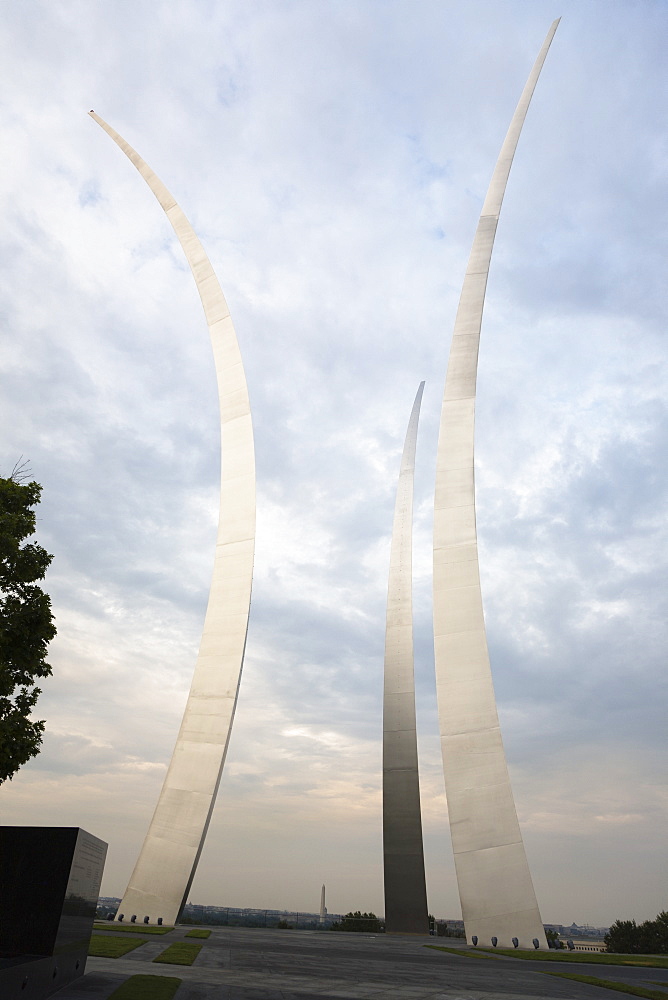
x=455, y=921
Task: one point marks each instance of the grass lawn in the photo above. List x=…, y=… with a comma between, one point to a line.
x=575, y=958
x=179, y=953
x=131, y=928
x=199, y=934
x=147, y=988
x=634, y=991
x=587, y=957
x=459, y=951
x=102, y=946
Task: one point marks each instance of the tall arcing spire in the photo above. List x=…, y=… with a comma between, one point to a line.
x=166, y=865
x=495, y=886
x=405, y=889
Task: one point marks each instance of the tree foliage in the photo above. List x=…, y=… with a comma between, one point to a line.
x=26, y=624
x=357, y=921
x=649, y=938
x=553, y=939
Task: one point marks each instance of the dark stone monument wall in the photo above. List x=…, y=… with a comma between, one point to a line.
x=49, y=885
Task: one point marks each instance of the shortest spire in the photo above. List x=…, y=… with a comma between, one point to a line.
x=403, y=854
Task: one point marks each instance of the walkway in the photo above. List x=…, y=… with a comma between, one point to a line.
x=238, y=963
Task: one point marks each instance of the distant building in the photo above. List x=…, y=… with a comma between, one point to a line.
x=582, y=937
x=106, y=905
x=587, y=944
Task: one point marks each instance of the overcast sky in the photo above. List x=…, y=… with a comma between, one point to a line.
x=333, y=157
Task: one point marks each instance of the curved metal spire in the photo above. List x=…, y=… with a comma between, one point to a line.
x=403, y=854
x=166, y=865
x=495, y=886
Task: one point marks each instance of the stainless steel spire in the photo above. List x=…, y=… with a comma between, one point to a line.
x=166, y=866
x=495, y=886
x=405, y=888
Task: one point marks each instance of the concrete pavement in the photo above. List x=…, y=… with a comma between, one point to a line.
x=238, y=963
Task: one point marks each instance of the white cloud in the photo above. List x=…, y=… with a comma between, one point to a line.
x=333, y=158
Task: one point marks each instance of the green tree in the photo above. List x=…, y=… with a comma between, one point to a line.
x=649, y=938
x=26, y=622
x=367, y=922
x=553, y=939
x=654, y=935
x=623, y=938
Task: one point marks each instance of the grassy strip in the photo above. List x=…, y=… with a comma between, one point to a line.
x=199, y=934
x=108, y=947
x=179, y=953
x=586, y=957
x=634, y=991
x=459, y=951
x=147, y=988
x=132, y=928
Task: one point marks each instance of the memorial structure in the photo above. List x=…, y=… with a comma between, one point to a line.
x=497, y=896
x=403, y=855
x=166, y=865
x=49, y=886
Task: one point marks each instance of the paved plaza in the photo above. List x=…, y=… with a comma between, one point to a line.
x=239, y=963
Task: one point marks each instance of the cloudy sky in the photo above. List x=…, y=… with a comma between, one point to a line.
x=333, y=156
